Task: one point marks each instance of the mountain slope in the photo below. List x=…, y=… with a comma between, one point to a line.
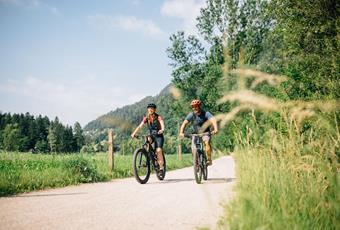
x=129, y=116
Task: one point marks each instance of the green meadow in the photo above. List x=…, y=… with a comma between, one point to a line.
x=24, y=172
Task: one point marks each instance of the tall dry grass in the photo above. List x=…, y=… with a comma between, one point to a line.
x=287, y=178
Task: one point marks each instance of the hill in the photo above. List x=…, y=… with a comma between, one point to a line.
x=128, y=117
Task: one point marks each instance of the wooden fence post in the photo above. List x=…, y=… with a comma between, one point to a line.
x=179, y=148
x=110, y=152
x=179, y=151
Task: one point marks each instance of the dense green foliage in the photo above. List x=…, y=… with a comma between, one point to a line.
x=24, y=132
x=23, y=172
x=309, y=50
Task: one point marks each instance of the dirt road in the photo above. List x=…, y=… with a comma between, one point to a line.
x=175, y=203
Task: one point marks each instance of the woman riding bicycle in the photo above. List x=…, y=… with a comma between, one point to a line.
x=156, y=127
x=199, y=117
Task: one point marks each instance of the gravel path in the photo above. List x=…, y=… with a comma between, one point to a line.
x=175, y=203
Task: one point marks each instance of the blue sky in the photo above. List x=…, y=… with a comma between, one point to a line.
x=80, y=59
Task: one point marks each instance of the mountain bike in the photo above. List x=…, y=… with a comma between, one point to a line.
x=200, y=158
x=145, y=159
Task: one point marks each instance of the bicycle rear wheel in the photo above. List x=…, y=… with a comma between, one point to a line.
x=141, y=166
x=197, y=168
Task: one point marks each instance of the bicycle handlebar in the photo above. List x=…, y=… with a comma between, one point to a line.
x=197, y=134
x=143, y=136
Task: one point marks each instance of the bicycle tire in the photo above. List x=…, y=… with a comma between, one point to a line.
x=161, y=176
x=204, y=167
x=141, y=166
x=197, y=168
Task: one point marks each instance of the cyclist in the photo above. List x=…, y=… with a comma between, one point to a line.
x=156, y=127
x=199, y=117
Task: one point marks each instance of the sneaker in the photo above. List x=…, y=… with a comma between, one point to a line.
x=160, y=172
x=209, y=162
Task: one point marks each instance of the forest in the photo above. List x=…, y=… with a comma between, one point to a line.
x=26, y=133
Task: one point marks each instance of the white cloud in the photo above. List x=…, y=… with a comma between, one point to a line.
x=128, y=23
x=32, y=4
x=187, y=11
x=82, y=100
x=54, y=10
x=26, y=3
x=135, y=2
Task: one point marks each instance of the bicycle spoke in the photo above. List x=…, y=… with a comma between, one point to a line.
x=141, y=166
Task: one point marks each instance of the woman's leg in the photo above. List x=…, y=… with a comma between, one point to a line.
x=160, y=158
x=159, y=149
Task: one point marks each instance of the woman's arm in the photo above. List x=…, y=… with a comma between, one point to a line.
x=137, y=129
x=162, y=127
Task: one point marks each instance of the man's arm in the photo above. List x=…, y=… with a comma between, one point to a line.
x=211, y=121
x=181, y=130
x=214, y=123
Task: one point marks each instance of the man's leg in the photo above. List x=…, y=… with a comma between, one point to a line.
x=208, y=149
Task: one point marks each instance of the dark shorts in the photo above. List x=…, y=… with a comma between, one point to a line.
x=158, y=141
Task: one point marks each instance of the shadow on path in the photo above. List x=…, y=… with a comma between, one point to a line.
x=219, y=180
x=173, y=180
x=209, y=181
x=53, y=194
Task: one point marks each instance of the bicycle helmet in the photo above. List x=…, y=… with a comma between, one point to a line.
x=195, y=102
x=151, y=105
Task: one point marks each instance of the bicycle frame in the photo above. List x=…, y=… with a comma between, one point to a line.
x=144, y=160
x=200, y=159
x=147, y=146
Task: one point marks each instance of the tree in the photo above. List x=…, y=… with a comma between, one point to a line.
x=67, y=142
x=78, y=136
x=310, y=46
x=11, y=137
x=52, y=139
x=41, y=146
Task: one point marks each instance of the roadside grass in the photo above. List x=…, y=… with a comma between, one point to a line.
x=287, y=191
x=287, y=180
x=287, y=157
x=24, y=172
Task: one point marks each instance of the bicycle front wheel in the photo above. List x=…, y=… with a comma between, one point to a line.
x=204, y=166
x=197, y=168
x=141, y=166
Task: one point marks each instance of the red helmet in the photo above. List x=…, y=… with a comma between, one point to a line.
x=195, y=102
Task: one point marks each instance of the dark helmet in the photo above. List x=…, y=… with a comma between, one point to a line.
x=151, y=105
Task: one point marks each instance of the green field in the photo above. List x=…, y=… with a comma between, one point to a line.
x=24, y=172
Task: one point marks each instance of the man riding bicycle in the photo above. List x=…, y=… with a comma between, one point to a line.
x=156, y=127
x=199, y=118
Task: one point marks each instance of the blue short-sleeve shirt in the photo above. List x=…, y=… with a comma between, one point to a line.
x=199, y=120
